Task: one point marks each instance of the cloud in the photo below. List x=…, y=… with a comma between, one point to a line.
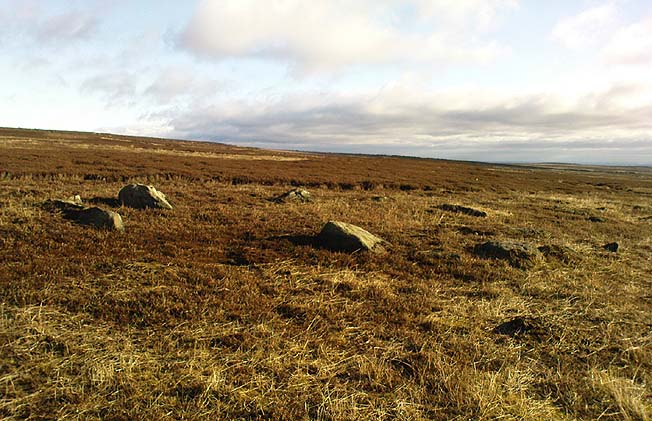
x=589, y=28
x=116, y=87
x=67, y=27
x=631, y=44
x=31, y=24
x=332, y=34
x=428, y=125
x=176, y=83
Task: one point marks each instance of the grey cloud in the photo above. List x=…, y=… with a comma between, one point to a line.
x=116, y=87
x=524, y=132
x=67, y=27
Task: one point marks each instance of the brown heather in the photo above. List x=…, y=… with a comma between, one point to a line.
x=221, y=309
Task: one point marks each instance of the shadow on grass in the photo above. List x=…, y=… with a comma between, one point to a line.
x=297, y=240
x=106, y=201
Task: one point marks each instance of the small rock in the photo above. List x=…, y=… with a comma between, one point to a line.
x=514, y=327
x=295, y=195
x=75, y=199
x=462, y=209
x=612, y=247
x=519, y=255
x=141, y=196
x=340, y=236
x=561, y=253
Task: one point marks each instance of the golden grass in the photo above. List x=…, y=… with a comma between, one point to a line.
x=221, y=309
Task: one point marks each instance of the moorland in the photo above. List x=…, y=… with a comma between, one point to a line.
x=225, y=308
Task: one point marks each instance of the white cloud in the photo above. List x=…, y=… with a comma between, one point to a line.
x=331, y=34
x=176, y=83
x=631, y=44
x=589, y=28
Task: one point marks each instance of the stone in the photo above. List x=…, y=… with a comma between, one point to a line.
x=380, y=198
x=76, y=199
x=519, y=255
x=141, y=196
x=80, y=214
x=462, y=209
x=98, y=218
x=340, y=236
x=612, y=247
x=515, y=327
x=295, y=195
x=561, y=253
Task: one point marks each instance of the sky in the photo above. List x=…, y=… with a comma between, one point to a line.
x=484, y=80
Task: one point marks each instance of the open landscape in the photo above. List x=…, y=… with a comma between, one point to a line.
x=227, y=306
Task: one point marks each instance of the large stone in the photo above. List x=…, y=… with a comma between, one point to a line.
x=141, y=196
x=519, y=255
x=295, y=195
x=99, y=218
x=80, y=214
x=340, y=236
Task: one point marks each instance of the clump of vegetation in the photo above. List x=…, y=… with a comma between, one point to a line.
x=223, y=308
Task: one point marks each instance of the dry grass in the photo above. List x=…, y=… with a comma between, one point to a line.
x=221, y=309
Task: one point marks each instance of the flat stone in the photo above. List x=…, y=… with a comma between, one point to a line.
x=341, y=236
x=80, y=214
x=519, y=255
x=462, y=209
x=295, y=195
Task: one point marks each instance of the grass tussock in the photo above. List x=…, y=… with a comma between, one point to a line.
x=223, y=308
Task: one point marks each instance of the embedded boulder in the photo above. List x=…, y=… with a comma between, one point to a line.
x=80, y=214
x=561, y=253
x=462, y=209
x=141, y=196
x=519, y=255
x=612, y=247
x=98, y=218
x=295, y=195
x=340, y=236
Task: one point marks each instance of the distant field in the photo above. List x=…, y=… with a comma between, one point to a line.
x=222, y=308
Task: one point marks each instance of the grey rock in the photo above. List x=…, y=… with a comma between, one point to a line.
x=612, y=247
x=93, y=216
x=519, y=255
x=99, y=218
x=141, y=196
x=561, y=253
x=462, y=209
x=340, y=236
x=295, y=195
x=380, y=198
